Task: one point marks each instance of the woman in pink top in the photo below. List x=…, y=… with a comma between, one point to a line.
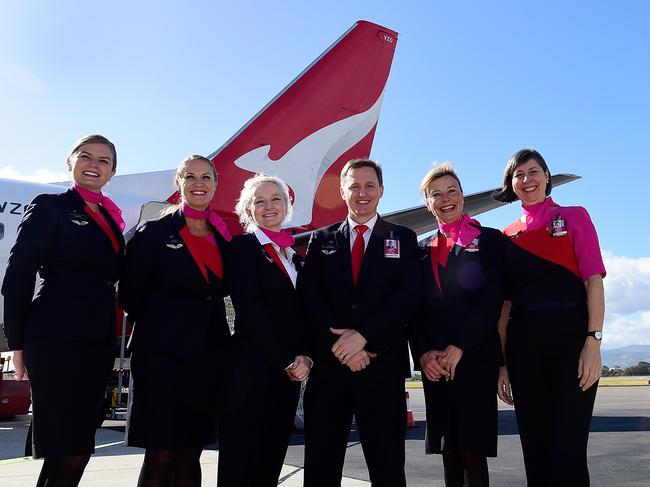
x=551, y=327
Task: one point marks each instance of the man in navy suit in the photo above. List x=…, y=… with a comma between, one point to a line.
x=359, y=287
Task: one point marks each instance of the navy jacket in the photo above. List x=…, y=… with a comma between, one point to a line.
x=379, y=306
x=171, y=305
x=269, y=326
x=78, y=268
x=466, y=312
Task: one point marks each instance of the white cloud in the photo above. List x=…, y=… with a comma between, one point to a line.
x=627, y=330
x=627, y=300
x=38, y=176
x=627, y=285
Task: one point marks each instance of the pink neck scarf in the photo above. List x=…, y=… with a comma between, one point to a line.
x=282, y=238
x=460, y=231
x=209, y=215
x=103, y=201
x=539, y=214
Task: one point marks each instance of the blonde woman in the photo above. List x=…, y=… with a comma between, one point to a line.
x=267, y=358
x=172, y=289
x=455, y=337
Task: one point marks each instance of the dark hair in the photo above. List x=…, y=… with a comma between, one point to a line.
x=507, y=194
x=356, y=163
x=95, y=139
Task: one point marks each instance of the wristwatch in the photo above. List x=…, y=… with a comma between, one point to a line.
x=598, y=335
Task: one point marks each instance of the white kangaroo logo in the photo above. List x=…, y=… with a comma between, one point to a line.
x=304, y=165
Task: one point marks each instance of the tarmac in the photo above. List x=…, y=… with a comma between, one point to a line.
x=619, y=450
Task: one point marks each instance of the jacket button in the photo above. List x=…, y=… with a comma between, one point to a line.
x=109, y=283
x=354, y=306
x=208, y=298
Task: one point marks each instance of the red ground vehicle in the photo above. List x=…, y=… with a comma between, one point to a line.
x=14, y=395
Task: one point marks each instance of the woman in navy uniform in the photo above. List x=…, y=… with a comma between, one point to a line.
x=455, y=337
x=556, y=307
x=267, y=357
x=64, y=335
x=173, y=289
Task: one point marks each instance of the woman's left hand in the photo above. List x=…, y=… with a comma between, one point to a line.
x=453, y=354
x=589, y=364
x=299, y=371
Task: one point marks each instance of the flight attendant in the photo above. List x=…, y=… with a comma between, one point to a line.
x=360, y=286
x=552, y=338
x=454, y=337
x=64, y=335
x=267, y=356
x=172, y=290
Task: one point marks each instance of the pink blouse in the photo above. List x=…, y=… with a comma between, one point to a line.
x=580, y=230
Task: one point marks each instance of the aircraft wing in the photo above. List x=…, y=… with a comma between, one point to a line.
x=419, y=218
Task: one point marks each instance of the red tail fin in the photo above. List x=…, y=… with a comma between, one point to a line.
x=322, y=119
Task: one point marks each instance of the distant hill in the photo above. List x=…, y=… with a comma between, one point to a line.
x=626, y=356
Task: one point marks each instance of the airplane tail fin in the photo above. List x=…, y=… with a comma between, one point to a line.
x=326, y=116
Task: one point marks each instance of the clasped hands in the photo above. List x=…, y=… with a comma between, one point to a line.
x=349, y=349
x=437, y=364
x=299, y=369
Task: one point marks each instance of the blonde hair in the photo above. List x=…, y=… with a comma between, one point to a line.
x=194, y=157
x=179, y=174
x=440, y=170
x=247, y=196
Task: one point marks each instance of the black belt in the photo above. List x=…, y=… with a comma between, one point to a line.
x=548, y=305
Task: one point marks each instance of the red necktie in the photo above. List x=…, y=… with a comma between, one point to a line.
x=357, y=251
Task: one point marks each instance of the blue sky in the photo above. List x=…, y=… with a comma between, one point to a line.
x=471, y=83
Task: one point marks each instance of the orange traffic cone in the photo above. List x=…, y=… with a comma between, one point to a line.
x=410, y=421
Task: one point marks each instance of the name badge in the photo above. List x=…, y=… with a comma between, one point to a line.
x=558, y=226
x=473, y=246
x=391, y=248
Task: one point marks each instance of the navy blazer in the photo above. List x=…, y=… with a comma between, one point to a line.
x=78, y=269
x=465, y=313
x=171, y=305
x=268, y=323
x=379, y=306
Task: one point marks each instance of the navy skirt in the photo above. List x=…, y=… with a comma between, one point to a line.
x=174, y=401
x=68, y=381
x=462, y=414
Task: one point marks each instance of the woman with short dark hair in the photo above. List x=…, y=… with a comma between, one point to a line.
x=552, y=324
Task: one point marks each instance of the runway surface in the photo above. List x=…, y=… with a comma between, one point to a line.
x=619, y=450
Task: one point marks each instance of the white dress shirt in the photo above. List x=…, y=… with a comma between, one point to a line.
x=287, y=261
x=366, y=235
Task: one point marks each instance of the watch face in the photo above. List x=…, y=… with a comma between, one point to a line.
x=598, y=335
